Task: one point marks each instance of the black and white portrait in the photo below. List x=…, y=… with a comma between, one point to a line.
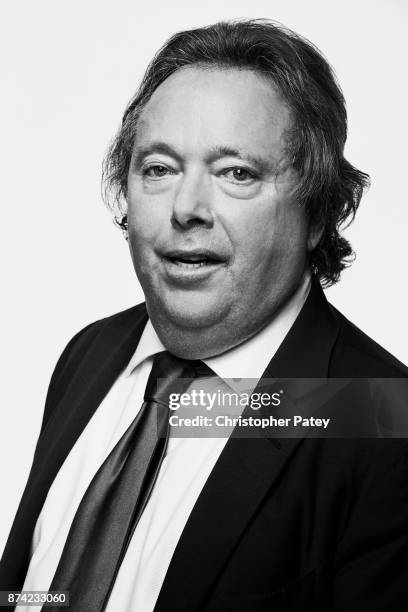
x=204, y=202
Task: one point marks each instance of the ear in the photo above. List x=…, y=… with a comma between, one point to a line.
x=121, y=218
x=123, y=209
x=314, y=237
x=123, y=204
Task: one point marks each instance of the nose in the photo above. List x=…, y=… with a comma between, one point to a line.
x=192, y=205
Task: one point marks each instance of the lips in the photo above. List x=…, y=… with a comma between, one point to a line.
x=193, y=258
x=191, y=268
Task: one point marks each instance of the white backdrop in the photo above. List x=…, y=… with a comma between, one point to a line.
x=69, y=68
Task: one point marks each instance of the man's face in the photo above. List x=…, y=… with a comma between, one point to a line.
x=217, y=240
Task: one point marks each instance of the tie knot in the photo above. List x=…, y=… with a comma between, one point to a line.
x=171, y=374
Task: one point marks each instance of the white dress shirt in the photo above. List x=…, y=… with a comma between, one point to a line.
x=185, y=469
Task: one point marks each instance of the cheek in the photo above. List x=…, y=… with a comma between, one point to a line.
x=274, y=233
x=142, y=221
x=141, y=232
x=142, y=236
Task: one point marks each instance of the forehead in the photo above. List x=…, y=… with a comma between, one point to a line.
x=198, y=108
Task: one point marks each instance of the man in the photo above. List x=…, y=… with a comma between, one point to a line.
x=230, y=177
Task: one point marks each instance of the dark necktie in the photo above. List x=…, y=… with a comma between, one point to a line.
x=115, y=499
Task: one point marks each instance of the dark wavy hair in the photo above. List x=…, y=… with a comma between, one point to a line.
x=328, y=186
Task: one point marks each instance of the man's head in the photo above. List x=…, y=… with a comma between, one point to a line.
x=230, y=161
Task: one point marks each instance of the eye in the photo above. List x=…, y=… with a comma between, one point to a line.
x=239, y=175
x=156, y=171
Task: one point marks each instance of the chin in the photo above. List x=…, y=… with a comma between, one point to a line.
x=187, y=317
x=192, y=329
x=187, y=311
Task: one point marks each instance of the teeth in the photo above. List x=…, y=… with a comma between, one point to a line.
x=192, y=261
x=186, y=263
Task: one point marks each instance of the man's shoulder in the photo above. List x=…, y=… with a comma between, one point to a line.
x=355, y=351
x=116, y=322
x=111, y=329
x=97, y=339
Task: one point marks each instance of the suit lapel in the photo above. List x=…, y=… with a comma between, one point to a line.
x=97, y=370
x=246, y=470
x=307, y=348
x=229, y=498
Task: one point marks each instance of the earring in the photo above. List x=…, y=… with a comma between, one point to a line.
x=122, y=224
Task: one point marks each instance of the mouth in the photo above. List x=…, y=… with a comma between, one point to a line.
x=190, y=268
x=193, y=259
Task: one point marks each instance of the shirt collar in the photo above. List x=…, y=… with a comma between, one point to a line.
x=247, y=360
x=149, y=345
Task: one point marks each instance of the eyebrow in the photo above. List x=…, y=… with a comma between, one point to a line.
x=215, y=153
x=140, y=152
x=219, y=152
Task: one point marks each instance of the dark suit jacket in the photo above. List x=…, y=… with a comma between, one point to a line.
x=288, y=524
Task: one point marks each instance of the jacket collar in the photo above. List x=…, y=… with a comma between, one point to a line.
x=307, y=348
